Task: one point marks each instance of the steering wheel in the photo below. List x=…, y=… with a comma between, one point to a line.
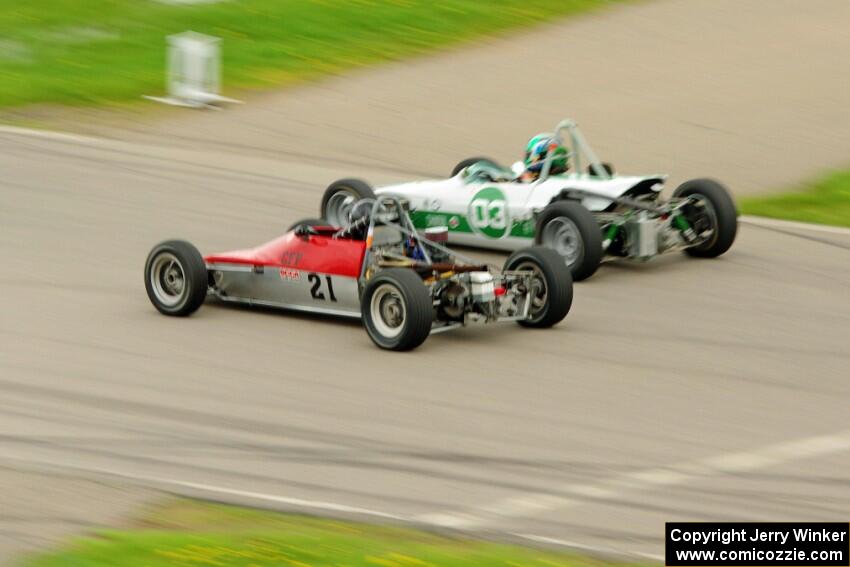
x=305, y=230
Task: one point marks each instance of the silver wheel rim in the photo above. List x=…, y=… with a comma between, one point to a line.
x=562, y=235
x=168, y=280
x=388, y=311
x=339, y=207
x=539, y=292
x=710, y=213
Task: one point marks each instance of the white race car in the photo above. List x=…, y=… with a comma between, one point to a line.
x=586, y=216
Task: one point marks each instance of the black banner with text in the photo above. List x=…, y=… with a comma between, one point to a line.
x=692, y=544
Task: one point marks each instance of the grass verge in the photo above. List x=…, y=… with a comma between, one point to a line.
x=107, y=51
x=824, y=201
x=188, y=532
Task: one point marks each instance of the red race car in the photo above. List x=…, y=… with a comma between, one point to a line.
x=403, y=284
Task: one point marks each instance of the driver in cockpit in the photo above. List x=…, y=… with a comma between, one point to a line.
x=537, y=150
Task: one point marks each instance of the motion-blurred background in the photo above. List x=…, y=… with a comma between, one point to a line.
x=675, y=390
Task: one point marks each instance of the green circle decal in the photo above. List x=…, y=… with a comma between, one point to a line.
x=488, y=213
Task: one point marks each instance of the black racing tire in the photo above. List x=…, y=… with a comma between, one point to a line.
x=725, y=213
x=406, y=288
x=176, y=278
x=335, y=202
x=307, y=222
x=582, y=258
x=605, y=165
x=463, y=164
x=553, y=272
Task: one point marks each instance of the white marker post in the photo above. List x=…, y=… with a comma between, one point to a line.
x=193, y=73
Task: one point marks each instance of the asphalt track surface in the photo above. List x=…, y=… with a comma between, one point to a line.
x=679, y=389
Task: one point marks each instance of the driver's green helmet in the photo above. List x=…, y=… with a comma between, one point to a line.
x=538, y=149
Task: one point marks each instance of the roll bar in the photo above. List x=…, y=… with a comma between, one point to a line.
x=578, y=146
x=405, y=225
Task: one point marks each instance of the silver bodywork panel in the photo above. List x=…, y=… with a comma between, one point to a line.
x=287, y=288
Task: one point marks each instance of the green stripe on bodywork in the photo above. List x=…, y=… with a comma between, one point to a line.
x=458, y=223
x=426, y=219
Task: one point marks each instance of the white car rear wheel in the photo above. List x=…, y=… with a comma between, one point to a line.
x=340, y=197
